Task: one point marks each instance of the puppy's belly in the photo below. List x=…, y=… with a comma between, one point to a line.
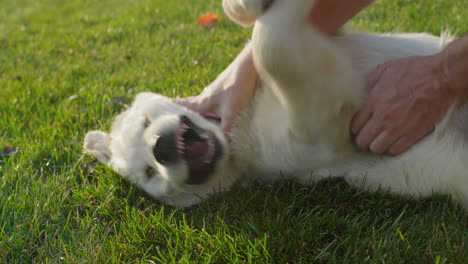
x=434, y=164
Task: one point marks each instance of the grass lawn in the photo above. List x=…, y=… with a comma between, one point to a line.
x=62, y=63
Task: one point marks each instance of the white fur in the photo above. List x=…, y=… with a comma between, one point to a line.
x=298, y=124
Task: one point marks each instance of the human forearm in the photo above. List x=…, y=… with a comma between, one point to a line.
x=330, y=15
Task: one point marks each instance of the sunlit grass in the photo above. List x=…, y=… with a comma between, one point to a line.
x=61, y=63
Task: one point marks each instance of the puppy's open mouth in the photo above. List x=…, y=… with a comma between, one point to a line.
x=199, y=147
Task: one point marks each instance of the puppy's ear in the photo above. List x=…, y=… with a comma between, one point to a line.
x=97, y=143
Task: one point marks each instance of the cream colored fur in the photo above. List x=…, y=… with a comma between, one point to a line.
x=298, y=123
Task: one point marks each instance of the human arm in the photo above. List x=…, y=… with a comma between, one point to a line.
x=229, y=93
x=330, y=15
x=408, y=97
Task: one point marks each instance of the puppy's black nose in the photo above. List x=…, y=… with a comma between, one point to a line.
x=165, y=149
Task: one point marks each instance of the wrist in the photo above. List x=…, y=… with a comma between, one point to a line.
x=442, y=72
x=454, y=59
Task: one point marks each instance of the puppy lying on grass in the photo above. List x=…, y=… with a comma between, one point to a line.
x=297, y=125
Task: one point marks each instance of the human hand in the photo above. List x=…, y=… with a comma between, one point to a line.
x=229, y=94
x=407, y=98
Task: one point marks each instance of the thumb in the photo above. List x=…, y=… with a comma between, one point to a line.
x=198, y=104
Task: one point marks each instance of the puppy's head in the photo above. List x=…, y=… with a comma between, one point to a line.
x=160, y=146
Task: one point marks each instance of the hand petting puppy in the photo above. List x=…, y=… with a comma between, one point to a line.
x=229, y=94
x=408, y=97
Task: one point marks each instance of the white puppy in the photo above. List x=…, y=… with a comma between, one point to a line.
x=297, y=125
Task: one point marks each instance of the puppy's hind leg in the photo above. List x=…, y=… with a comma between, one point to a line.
x=245, y=12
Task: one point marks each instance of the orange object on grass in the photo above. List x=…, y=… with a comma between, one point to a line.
x=207, y=20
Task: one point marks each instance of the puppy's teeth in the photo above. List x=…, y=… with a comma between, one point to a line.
x=181, y=147
x=181, y=150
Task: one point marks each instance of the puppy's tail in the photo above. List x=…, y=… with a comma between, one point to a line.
x=245, y=12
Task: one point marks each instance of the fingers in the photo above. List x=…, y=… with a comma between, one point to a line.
x=360, y=119
x=387, y=142
x=382, y=142
x=367, y=135
x=196, y=103
x=380, y=138
x=365, y=113
x=189, y=102
x=200, y=105
x=365, y=126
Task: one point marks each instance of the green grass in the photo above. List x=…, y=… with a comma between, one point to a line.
x=57, y=205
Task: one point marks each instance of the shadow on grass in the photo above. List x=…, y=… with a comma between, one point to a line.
x=287, y=222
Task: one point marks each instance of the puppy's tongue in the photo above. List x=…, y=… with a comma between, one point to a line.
x=198, y=153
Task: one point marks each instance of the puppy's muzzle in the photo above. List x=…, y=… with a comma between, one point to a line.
x=199, y=148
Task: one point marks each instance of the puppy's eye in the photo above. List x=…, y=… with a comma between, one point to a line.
x=149, y=172
x=146, y=122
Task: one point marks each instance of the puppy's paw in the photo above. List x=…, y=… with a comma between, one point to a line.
x=245, y=12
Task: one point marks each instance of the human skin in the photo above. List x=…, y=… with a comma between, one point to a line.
x=231, y=92
x=330, y=15
x=408, y=97
x=234, y=88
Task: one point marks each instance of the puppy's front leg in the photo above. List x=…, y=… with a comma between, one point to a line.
x=245, y=12
x=311, y=76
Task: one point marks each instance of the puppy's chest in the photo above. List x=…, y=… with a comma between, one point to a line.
x=262, y=140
